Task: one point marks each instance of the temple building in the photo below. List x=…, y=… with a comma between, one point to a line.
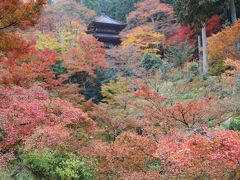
x=106, y=30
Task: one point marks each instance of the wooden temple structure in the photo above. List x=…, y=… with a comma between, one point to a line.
x=106, y=30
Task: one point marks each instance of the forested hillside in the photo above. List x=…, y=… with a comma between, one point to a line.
x=163, y=104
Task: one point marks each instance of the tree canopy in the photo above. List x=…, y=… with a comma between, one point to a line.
x=82, y=100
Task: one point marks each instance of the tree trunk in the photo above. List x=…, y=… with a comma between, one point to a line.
x=153, y=22
x=199, y=53
x=204, y=50
x=233, y=11
x=234, y=19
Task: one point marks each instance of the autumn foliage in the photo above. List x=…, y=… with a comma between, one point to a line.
x=25, y=65
x=218, y=150
x=30, y=115
x=17, y=14
x=145, y=38
x=20, y=14
x=149, y=11
x=87, y=56
x=128, y=153
x=188, y=34
x=189, y=113
x=223, y=44
x=70, y=108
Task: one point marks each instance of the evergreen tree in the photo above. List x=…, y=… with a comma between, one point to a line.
x=116, y=9
x=195, y=13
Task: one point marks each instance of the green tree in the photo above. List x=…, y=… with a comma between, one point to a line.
x=116, y=9
x=168, y=1
x=92, y=4
x=179, y=54
x=195, y=13
x=151, y=61
x=119, y=9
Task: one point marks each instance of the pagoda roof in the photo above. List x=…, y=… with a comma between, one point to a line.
x=107, y=20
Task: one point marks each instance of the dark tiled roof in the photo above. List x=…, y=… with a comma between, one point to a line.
x=107, y=20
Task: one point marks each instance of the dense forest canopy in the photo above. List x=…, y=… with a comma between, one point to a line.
x=161, y=103
x=113, y=8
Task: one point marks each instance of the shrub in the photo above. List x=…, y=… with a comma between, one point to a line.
x=178, y=55
x=218, y=69
x=235, y=123
x=176, y=77
x=188, y=95
x=154, y=165
x=151, y=61
x=55, y=165
x=24, y=174
x=58, y=68
x=1, y=134
x=193, y=69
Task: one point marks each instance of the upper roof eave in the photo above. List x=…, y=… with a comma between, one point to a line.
x=122, y=26
x=107, y=19
x=103, y=19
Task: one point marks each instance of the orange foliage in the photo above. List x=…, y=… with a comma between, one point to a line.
x=233, y=63
x=149, y=10
x=57, y=16
x=189, y=113
x=25, y=65
x=128, y=153
x=223, y=44
x=218, y=150
x=19, y=14
x=87, y=56
x=70, y=93
x=233, y=69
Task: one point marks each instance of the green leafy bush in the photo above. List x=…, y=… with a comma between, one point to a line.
x=217, y=69
x=178, y=76
x=24, y=175
x=91, y=86
x=193, y=70
x=235, y=123
x=1, y=135
x=55, y=165
x=154, y=165
x=178, y=55
x=189, y=95
x=58, y=68
x=151, y=61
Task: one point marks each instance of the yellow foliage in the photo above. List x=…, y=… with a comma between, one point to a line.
x=115, y=89
x=223, y=44
x=48, y=42
x=68, y=34
x=62, y=39
x=116, y=104
x=146, y=38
